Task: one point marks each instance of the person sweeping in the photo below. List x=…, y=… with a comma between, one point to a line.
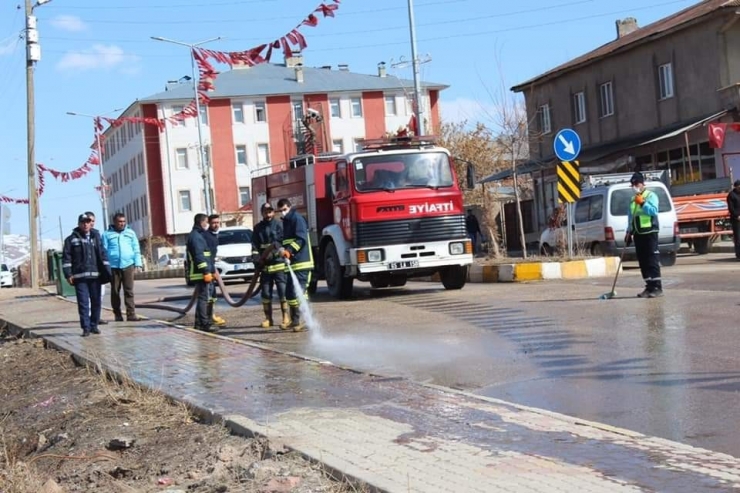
x=643, y=228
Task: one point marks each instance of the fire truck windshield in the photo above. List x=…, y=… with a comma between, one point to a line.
x=396, y=171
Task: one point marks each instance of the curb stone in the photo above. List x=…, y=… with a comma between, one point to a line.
x=539, y=271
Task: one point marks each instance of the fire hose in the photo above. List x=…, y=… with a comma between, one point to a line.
x=249, y=294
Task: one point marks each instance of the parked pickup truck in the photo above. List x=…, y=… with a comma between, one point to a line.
x=702, y=212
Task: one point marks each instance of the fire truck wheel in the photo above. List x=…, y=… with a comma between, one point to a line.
x=339, y=286
x=313, y=285
x=454, y=276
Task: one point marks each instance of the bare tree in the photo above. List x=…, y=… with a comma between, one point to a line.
x=477, y=146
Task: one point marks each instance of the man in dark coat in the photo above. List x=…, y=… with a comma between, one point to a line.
x=200, y=271
x=85, y=265
x=211, y=236
x=296, y=249
x=733, y=205
x=269, y=234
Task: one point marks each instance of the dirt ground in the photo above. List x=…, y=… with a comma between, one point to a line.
x=66, y=428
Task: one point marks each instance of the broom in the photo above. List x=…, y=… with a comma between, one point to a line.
x=613, y=292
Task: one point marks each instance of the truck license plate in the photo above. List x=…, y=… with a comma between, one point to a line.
x=406, y=264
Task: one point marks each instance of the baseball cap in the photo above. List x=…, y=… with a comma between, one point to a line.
x=637, y=178
x=83, y=218
x=266, y=207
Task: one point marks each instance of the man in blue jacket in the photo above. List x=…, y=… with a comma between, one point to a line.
x=122, y=246
x=643, y=228
x=85, y=266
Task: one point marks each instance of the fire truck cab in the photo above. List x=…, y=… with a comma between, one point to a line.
x=384, y=214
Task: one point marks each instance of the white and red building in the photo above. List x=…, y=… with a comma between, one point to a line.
x=252, y=123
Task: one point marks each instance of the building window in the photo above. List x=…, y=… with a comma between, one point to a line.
x=336, y=109
x=203, y=114
x=182, y=158
x=579, y=107
x=206, y=155
x=125, y=174
x=665, y=80
x=237, y=112
x=356, y=105
x=263, y=154
x=297, y=110
x=140, y=157
x=358, y=145
x=245, y=196
x=241, y=155
x=260, y=113
x=337, y=146
x=607, y=99
x=390, y=106
x=545, y=124
x=177, y=110
x=184, y=196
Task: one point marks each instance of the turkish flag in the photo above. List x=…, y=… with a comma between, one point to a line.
x=717, y=135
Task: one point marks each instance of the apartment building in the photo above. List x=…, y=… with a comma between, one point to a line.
x=640, y=102
x=252, y=125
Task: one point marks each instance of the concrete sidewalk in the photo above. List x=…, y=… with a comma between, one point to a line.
x=395, y=435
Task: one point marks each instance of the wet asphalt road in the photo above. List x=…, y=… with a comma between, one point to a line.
x=667, y=367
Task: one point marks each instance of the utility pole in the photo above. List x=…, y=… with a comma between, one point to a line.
x=204, y=164
x=33, y=55
x=421, y=128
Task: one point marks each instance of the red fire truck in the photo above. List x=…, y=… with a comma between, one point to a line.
x=384, y=214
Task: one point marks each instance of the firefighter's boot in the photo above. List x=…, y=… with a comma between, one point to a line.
x=215, y=319
x=295, y=319
x=286, y=315
x=267, y=322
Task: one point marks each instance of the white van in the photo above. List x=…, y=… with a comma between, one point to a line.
x=600, y=218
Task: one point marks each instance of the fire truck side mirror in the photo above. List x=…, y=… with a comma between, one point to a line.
x=470, y=176
x=332, y=185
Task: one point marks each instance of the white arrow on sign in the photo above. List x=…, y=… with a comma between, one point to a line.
x=568, y=145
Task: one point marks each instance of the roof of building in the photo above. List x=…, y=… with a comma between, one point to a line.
x=633, y=39
x=269, y=79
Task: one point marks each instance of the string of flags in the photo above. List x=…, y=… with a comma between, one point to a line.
x=262, y=53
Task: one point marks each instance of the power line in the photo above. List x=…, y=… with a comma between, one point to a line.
x=375, y=30
x=170, y=6
x=462, y=35
x=254, y=21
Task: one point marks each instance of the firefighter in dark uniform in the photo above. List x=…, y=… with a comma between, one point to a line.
x=269, y=233
x=211, y=236
x=200, y=271
x=297, y=250
x=643, y=228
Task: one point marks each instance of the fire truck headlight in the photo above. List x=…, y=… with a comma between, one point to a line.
x=457, y=248
x=374, y=255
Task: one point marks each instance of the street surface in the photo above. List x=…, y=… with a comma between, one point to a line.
x=666, y=367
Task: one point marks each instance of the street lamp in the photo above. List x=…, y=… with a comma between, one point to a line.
x=103, y=192
x=203, y=164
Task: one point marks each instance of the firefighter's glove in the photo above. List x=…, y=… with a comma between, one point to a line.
x=285, y=253
x=639, y=199
x=628, y=239
x=208, y=278
x=256, y=258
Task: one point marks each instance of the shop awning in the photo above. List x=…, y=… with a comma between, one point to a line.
x=685, y=128
x=602, y=151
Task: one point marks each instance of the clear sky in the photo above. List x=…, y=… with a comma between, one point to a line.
x=98, y=56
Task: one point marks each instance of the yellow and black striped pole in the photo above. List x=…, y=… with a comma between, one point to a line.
x=569, y=182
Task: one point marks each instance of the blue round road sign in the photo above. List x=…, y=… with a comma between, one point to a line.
x=567, y=145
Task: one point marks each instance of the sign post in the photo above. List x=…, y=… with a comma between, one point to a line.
x=567, y=146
